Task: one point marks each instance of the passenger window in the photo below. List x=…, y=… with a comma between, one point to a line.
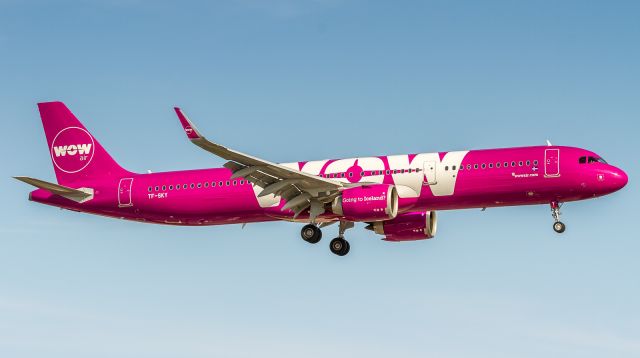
x=157, y=188
x=184, y=186
x=468, y=166
x=220, y=183
x=228, y=183
x=213, y=184
x=535, y=162
x=350, y=174
x=475, y=166
x=490, y=165
x=150, y=189
x=520, y=163
x=235, y=182
x=453, y=168
x=206, y=184
x=170, y=187
x=192, y=185
x=484, y=165
x=506, y=164
x=446, y=167
x=388, y=172
x=498, y=165
x=528, y=162
x=178, y=187
x=164, y=188
x=513, y=164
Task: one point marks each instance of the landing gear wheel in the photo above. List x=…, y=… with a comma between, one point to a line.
x=311, y=233
x=559, y=227
x=339, y=246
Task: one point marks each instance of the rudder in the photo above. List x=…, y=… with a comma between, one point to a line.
x=76, y=155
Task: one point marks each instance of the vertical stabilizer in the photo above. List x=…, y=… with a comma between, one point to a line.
x=77, y=156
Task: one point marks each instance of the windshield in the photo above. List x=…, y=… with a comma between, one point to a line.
x=591, y=159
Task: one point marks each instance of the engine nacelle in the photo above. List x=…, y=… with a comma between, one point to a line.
x=367, y=203
x=408, y=226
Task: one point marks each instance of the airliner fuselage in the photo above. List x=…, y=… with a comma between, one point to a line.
x=397, y=195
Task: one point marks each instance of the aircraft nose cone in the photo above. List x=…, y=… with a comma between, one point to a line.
x=620, y=178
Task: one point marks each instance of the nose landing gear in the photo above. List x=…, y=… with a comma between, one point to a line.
x=558, y=226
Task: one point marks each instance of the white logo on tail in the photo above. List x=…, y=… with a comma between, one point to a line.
x=72, y=149
x=80, y=149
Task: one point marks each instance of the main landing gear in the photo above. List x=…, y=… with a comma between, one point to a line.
x=311, y=233
x=339, y=246
x=558, y=226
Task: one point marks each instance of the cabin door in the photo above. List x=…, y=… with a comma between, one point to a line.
x=124, y=192
x=552, y=162
x=429, y=173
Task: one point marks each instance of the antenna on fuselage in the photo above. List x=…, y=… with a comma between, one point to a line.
x=549, y=143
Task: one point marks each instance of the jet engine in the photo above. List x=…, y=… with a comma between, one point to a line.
x=407, y=226
x=367, y=203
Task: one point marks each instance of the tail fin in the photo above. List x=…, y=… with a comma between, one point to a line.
x=76, y=154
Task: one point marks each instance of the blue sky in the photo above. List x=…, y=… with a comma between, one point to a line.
x=296, y=80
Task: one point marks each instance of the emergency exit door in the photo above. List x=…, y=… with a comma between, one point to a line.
x=430, y=173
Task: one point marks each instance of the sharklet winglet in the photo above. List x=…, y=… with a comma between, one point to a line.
x=187, y=125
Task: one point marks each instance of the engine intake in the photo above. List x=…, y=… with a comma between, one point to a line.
x=367, y=203
x=408, y=226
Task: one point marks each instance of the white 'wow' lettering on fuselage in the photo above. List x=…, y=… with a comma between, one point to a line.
x=408, y=182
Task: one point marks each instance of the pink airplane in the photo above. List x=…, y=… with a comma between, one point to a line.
x=397, y=196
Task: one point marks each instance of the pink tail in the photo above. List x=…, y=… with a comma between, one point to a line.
x=76, y=154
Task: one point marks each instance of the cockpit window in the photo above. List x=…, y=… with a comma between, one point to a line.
x=590, y=159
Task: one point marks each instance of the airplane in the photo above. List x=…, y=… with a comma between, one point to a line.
x=397, y=196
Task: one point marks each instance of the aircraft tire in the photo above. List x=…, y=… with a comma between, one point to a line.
x=339, y=246
x=559, y=227
x=311, y=233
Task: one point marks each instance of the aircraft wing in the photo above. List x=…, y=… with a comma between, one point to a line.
x=300, y=190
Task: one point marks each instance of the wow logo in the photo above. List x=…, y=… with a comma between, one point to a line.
x=72, y=149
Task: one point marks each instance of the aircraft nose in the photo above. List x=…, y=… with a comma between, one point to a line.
x=620, y=178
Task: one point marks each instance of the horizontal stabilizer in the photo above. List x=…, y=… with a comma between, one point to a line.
x=78, y=195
